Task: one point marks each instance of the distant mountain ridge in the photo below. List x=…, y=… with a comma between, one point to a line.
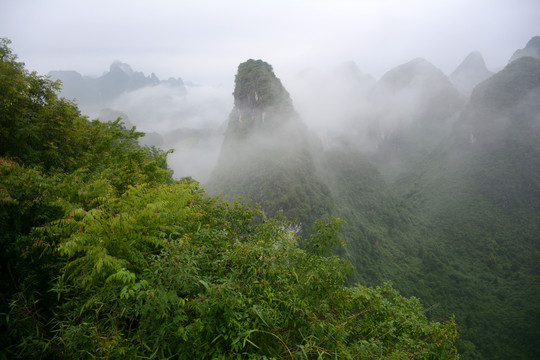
x=412, y=91
x=171, y=115
x=531, y=49
x=94, y=94
x=412, y=109
x=470, y=73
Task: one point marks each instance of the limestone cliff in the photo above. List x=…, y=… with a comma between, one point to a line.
x=267, y=153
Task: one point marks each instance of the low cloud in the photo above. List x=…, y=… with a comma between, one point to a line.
x=163, y=108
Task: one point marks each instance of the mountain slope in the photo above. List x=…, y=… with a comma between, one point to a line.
x=267, y=151
x=380, y=232
x=414, y=106
x=478, y=198
x=531, y=49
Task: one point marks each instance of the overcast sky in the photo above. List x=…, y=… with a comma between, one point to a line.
x=204, y=41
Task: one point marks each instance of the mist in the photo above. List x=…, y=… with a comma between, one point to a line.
x=329, y=56
x=341, y=105
x=416, y=122
x=332, y=57
x=330, y=99
x=163, y=109
x=191, y=122
x=344, y=105
x=189, y=119
x=205, y=40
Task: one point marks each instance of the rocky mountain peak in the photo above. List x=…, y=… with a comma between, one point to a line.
x=531, y=49
x=266, y=154
x=415, y=90
x=470, y=73
x=349, y=72
x=415, y=72
x=260, y=100
x=257, y=87
x=507, y=103
x=94, y=94
x=120, y=66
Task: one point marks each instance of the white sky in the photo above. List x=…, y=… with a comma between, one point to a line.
x=204, y=41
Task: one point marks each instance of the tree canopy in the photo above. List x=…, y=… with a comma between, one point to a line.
x=105, y=255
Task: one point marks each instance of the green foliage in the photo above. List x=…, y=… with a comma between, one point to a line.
x=327, y=238
x=379, y=228
x=105, y=256
x=477, y=203
x=38, y=128
x=257, y=87
x=451, y=214
x=27, y=264
x=169, y=272
x=35, y=126
x=52, y=161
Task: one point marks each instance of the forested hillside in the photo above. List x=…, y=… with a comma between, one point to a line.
x=439, y=190
x=418, y=184
x=478, y=198
x=105, y=255
x=447, y=206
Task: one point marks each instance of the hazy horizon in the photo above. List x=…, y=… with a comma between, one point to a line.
x=204, y=41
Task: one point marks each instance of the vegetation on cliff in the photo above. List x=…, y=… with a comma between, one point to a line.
x=267, y=153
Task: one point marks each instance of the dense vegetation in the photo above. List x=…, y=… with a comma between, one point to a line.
x=478, y=197
x=104, y=255
x=446, y=205
x=380, y=230
x=458, y=224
